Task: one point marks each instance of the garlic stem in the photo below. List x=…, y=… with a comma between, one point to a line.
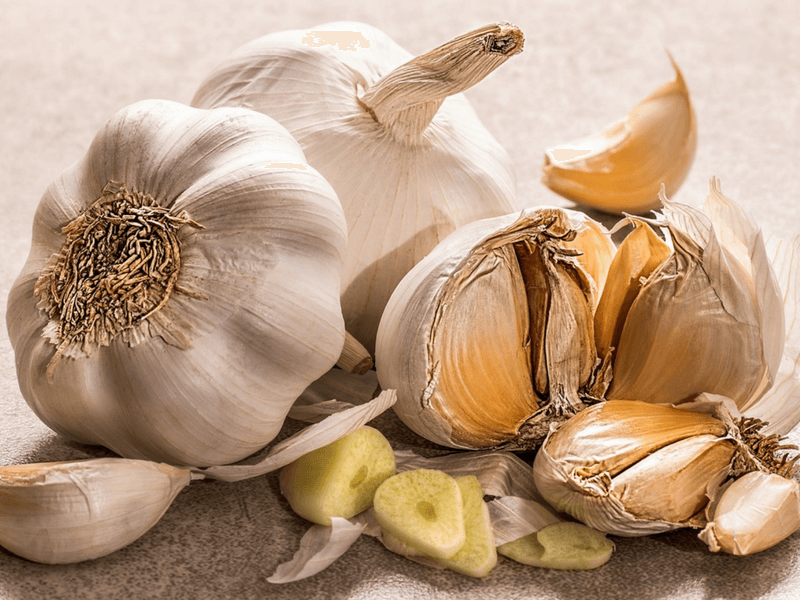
x=406, y=100
x=354, y=358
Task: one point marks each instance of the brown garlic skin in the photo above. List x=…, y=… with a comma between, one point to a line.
x=252, y=316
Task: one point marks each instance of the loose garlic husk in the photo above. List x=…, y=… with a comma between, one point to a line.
x=402, y=147
x=753, y=513
x=703, y=311
x=182, y=287
x=622, y=168
x=631, y=468
x=490, y=337
x=66, y=512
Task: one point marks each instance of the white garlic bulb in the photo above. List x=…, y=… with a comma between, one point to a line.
x=182, y=287
x=404, y=150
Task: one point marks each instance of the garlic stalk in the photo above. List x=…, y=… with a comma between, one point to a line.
x=182, y=288
x=632, y=468
x=66, y=512
x=489, y=338
x=621, y=168
x=701, y=312
x=403, y=149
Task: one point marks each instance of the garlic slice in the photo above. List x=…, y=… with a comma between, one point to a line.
x=622, y=168
x=492, y=332
x=66, y=512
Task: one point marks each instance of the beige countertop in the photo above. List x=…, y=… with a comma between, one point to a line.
x=65, y=67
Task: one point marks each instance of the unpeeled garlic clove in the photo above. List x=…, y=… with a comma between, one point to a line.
x=491, y=335
x=622, y=168
x=632, y=468
x=67, y=512
x=753, y=513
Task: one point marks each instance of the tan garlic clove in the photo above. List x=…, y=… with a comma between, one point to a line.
x=491, y=334
x=67, y=512
x=632, y=468
x=753, y=513
x=622, y=168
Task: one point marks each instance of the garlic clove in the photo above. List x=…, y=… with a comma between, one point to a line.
x=500, y=310
x=753, y=513
x=622, y=168
x=66, y=512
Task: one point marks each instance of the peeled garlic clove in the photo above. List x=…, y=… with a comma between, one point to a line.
x=709, y=318
x=622, y=168
x=632, y=468
x=491, y=334
x=753, y=513
x=66, y=512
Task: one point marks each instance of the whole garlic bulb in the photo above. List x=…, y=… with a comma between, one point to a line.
x=182, y=287
x=703, y=311
x=404, y=150
x=71, y=511
x=490, y=337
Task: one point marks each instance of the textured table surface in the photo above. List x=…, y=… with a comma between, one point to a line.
x=65, y=67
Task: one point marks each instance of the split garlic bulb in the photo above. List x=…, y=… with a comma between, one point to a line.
x=182, y=287
x=702, y=311
x=621, y=168
x=71, y=511
x=404, y=150
x=490, y=337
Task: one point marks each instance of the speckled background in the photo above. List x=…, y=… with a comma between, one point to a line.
x=65, y=67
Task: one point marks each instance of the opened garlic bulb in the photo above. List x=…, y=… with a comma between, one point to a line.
x=66, y=512
x=490, y=337
x=632, y=468
x=701, y=312
x=182, y=287
x=405, y=152
x=622, y=168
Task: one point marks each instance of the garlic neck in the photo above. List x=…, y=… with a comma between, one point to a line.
x=406, y=100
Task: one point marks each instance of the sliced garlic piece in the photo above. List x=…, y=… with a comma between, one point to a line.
x=493, y=329
x=66, y=512
x=622, y=168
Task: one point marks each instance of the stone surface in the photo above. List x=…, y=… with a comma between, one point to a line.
x=66, y=67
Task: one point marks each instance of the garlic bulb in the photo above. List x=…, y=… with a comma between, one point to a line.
x=405, y=152
x=753, y=513
x=621, y=168
x=66, y=512
x=490, y=337
x=182, y=287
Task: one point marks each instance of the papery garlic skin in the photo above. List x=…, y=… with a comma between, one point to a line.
x=67, y=512
x=622, y=168
x=408, y=158
x=254, y=316
x=632, y=468
x=472, y=353
x=753, y=513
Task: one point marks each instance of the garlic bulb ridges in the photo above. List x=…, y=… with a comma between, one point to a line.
x=65, y=512
x=402, y=147
x=622, y=168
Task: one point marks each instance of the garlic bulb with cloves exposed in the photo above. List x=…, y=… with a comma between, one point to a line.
x=182, y=287
x=632, y=468
x=622, y=168
x=404, y=150
x=703, y=311
x=490, y=337
x=66, y=512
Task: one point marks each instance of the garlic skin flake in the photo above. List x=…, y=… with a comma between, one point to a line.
x=753, y=513
x=621, y=168
x=67, y=512
x=402, y=147
x=631, y=468
x=251, y=313
x=490, y=336
x=709, y=318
